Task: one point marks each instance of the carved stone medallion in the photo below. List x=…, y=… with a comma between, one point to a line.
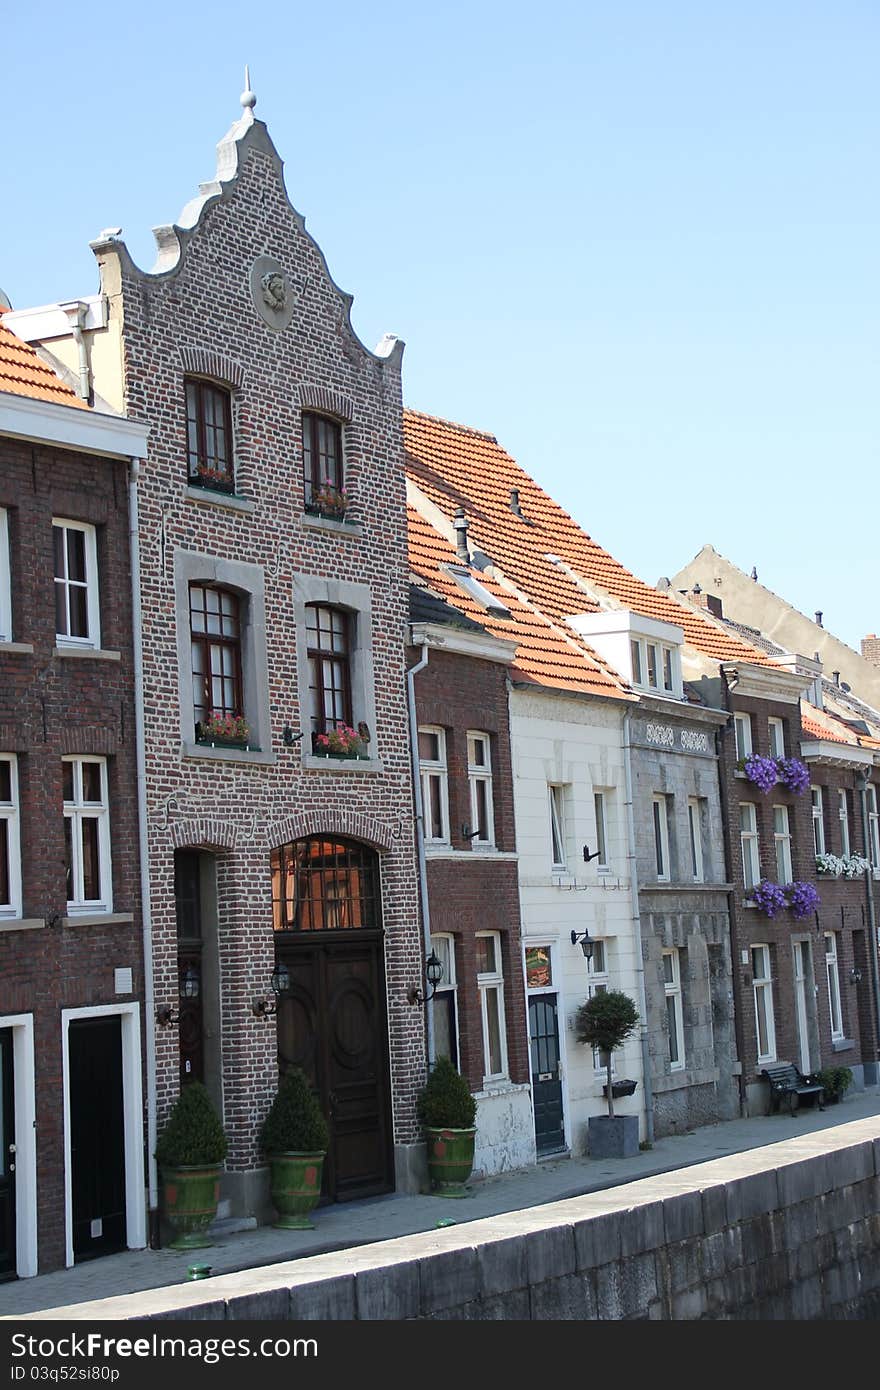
x=274, y=295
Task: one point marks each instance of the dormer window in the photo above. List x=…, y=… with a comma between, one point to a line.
x=323, y=474
x=209, y=436
x=645, y=650
x=654, y=666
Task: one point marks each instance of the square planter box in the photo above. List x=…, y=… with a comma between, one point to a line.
x=613, y=1136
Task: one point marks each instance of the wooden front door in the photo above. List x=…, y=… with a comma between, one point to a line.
x=7, y=1157
x=97, y=1136
x=546, y=1080
x=331, y=1023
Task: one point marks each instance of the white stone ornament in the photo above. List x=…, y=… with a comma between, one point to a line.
x=274, y=295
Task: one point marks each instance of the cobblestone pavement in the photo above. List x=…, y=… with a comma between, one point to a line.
x=348, y=1224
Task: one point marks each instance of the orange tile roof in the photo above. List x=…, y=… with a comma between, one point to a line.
x=456, y=466
x=820, y=724
x=24, y=373
x=544, y=655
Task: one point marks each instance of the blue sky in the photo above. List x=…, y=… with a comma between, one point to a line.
x=636, y=240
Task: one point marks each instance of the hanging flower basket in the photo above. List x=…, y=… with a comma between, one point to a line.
x=769, y=897
x=800, y=897
x=328, y=501
x=762, y=771
x=793, y=774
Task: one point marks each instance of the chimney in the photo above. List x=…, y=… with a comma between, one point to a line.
x=871, y=649
x=835, y=676
x=818, y=617
x=461, y=541
x=710, y=602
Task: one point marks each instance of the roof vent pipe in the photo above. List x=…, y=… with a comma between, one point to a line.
x=461, y=541
x=514, y=501
x=836, y=676
x=819, y=617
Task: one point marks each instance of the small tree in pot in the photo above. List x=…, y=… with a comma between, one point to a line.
x=294, y=1138
x=605, y=1022
x=447, y=1110
x=190, y=1153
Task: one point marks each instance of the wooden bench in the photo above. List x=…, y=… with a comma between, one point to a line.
x=786, y=1081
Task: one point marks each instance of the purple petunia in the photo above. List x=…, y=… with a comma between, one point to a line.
x=802, y=898
x=762, y=771
x=769, y=897
x=793, y=774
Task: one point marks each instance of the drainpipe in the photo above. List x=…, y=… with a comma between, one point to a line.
x=146, y=917
x=637, y=927
x=420, y=830
x=731, y=918
x=76, y=314
x=864, y=778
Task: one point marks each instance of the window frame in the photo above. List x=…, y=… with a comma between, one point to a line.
x=317, y=656
x=832, y=980
x=782, y=843
x=207, y=642
x=10, y=816
x=492, y=982
x=695, y=832
x=672, y=991
x=5, y=579
x=434, y=769
x=843, y=818
x=447, y=989
x=763, y=985
x=311, y=423
x=92, y=641
x=749, y=841
x=199, y=472
x=598, y=981
x=655, y=666
x=660, y=816
x=600, y=809
x=480, y=774
x=77, y=811
x=776, y=736
x=873, y=826
x=818, y=813
x=742, y=729
x=556, y=791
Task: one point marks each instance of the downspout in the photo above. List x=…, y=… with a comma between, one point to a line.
x=731, y=910
x=146, y=916
x=76, y=314
x=637, y=927
x=420, y=830
x=864, y=778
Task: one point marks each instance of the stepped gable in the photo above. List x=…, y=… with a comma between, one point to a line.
x=24, y=373
x=545, y=656
x=457, y=466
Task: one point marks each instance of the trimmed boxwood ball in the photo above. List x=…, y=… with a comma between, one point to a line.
x=294, y=1123
x=445, y=1100
x=605, y=1022
x=194, y=1134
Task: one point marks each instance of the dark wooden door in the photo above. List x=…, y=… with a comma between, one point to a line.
x=546, y=1081
x=332, y=1024
x=97, y=1136
x=7, y=1158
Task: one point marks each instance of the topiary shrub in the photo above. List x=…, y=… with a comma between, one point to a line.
x=194, y=1135
x=605, y=1022
x=445, y=1100
x=295, y=1123
x=836, y=1080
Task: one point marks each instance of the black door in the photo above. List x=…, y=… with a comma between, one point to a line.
x=546, y=1081
x=7, y=1158
x=97, y=1137
x=332, y=1024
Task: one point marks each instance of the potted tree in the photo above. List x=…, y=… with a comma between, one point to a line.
x=447, y=1111
x=190, y=1153
x=294, y=1137
x=605, y=1022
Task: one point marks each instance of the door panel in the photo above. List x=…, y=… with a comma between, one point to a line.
x=97, y=1137
x=7, y=1158
x=546, y=1079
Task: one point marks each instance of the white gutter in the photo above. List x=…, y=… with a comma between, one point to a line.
x=420, y=832
x=146, y=915
x=71, y=427
x=637, y=927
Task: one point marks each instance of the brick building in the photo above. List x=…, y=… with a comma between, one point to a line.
x=71, y=947
x=275, y=591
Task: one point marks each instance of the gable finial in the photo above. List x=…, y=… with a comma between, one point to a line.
x=248, y=99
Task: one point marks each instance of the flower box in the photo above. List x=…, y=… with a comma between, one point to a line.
x=342, y=742
x=223, y=731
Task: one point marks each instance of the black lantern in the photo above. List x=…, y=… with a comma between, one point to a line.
x=433, y=974
x=584, y=942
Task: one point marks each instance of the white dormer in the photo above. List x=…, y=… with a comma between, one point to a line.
x=645, y=651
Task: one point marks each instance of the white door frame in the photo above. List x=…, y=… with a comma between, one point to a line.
x=22, y=1026
x=132, y=1112
x=801, y=979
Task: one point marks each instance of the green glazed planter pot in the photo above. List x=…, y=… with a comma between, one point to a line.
x=189, y=1197
x=295, y=1186
x=450, y=1160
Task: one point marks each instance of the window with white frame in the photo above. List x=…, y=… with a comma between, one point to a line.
x=480, y=783
x=695, y=834
x=818, y=820
x=10, y=854
x=87, y=835
x=873, y=827
x=762, y=988
x=843, y=814
x=557, y=826
x=742, y=724
x=674, y=1011
x=600, y=807
x=77, y=611
x=661, y=837
x=5, y=580
x=748, y=834
x=598, y=983
x=776, y=732
x=490, y=987
x=636, y=657
x=782, y=844
x=833, y=976
x=655, y=666
x=435, y=785
x=444, y=1004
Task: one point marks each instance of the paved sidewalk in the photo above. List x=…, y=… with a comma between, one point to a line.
x=348, y=1224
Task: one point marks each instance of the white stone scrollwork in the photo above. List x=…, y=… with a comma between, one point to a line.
x=661, y=734
x=693, y=742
